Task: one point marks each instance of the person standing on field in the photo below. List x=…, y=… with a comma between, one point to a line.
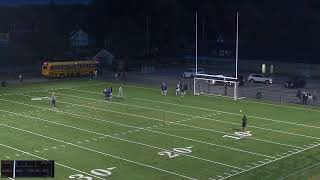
x=244, y=122
x=53, y=101
x=20, y=79
x=120, y=92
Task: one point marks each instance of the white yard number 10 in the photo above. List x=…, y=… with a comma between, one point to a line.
x=176, y=152
x=95, y=172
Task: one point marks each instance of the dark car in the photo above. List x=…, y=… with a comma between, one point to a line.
x=295, y=83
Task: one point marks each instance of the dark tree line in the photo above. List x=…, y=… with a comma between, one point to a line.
x=268, y=28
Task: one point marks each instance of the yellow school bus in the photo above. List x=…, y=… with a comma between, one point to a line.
x=68, y=69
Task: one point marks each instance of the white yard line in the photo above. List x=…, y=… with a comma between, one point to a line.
x=59, y=164
x=46, y=90
x=306, y=168
x=101, y=153
x=271, y=161
x=190, y=126
x=224, y=112
x=185, y=114
x=206, y=129
x=145, y=129
x=113, y=137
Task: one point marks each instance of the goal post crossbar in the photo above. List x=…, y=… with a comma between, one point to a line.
x=216, y=76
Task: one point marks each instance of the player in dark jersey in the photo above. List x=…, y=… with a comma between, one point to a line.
x=244, y=122
x=53, y=101
x=164, y=89
x=109, y=94
x=184, y=90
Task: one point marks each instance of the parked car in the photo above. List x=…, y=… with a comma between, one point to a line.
x=192, y=72
x=295, y=83
x=220, y=80
x=259, y=78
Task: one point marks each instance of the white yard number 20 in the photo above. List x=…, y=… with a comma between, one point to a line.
x=176, y=152
x=95, y=172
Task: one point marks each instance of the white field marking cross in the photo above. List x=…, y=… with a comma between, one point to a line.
x=239, y=135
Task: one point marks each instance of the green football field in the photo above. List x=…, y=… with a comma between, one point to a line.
x=148, y=136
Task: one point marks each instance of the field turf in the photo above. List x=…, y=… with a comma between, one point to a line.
x=148, y=136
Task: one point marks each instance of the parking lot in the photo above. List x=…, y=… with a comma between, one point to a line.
x=272, y=92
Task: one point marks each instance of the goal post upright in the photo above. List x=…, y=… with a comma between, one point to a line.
x=196, y=54
x=213, y=77
x=237, y=51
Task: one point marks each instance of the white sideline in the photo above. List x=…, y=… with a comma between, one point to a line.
x=212, y=110
x=140, y=128
x=62, y=165
x=154, y=89
x=184, y=114
x=99, y=152
x=268, y=119
x=160, y=120
x=271, y=161
x=269, y=104
x=113, y=137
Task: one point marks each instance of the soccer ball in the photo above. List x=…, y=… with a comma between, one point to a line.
x=240, y=111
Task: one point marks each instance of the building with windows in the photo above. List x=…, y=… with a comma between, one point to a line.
x=79, y=39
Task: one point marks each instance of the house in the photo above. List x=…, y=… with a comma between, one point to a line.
x=223, y=48
x=79, y=39
x=104, y=57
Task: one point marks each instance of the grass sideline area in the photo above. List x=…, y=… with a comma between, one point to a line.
x=146, y=135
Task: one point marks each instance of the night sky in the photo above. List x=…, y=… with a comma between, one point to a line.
x=19, y=2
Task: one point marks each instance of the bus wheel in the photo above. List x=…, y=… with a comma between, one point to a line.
x=61, y=76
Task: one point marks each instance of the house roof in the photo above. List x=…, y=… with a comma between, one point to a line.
x=103, y=53
x=75, y=31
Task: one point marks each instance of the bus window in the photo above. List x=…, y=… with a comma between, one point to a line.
x=44, y=67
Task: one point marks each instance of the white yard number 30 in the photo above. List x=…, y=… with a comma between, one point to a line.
x=94, y=172
x=176, y=152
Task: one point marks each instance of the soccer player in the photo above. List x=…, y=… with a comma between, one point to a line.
x=244, y=122
x=184, y=89
x=20, y=79
x=95, y=74
x=178, y=89
x=53, y=101
x=120, y=93
x=105, y=93
x=109, y=94
x=164, y=89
